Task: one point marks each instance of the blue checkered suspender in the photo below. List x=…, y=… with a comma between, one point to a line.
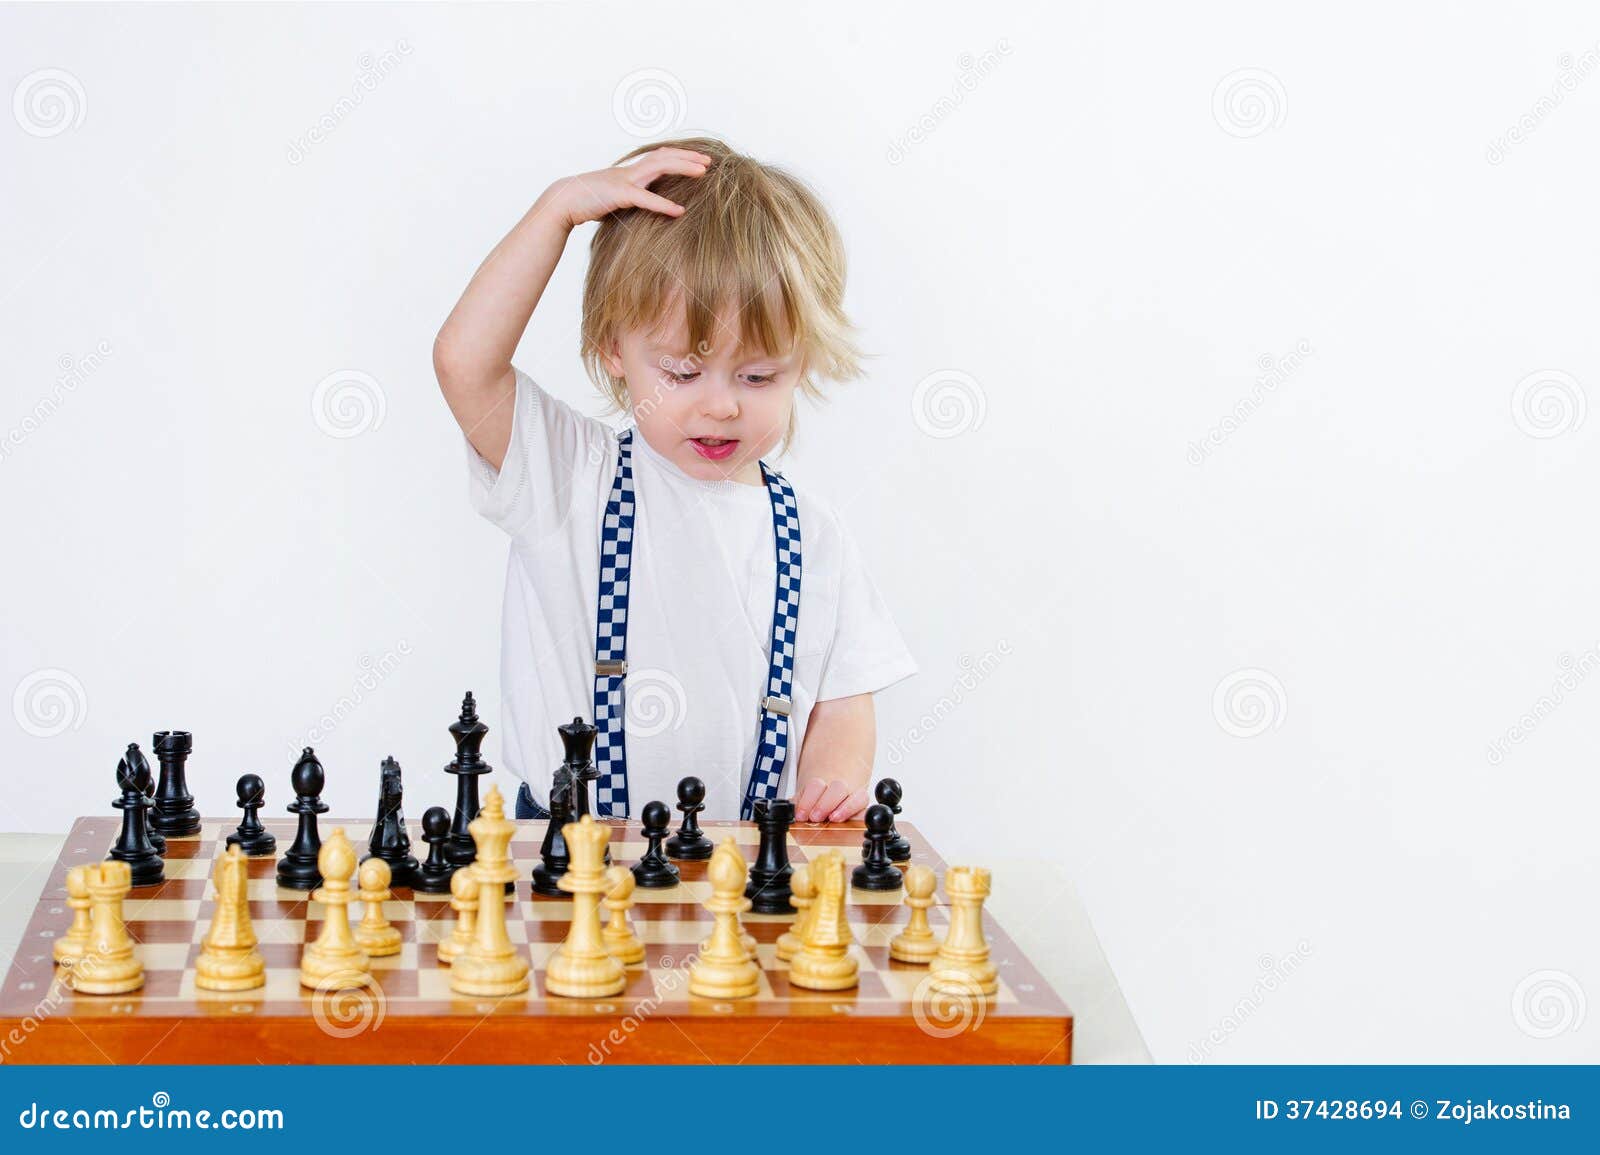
x=611, y=641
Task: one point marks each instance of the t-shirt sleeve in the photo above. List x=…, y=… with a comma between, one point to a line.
x=553, y=452
x=866, y=653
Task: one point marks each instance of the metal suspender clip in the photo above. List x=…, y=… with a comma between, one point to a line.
x=611, y=669
x=777, y=705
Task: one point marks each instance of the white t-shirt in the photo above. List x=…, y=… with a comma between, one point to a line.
x=700, y=602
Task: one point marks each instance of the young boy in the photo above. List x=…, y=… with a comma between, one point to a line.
x=652, y=570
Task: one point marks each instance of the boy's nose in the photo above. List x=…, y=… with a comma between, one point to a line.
x=720, y=401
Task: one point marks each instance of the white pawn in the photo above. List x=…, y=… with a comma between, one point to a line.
x=464, y=901
x=375, y=934
x=621, y=943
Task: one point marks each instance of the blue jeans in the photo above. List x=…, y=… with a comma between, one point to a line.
x=526, y=806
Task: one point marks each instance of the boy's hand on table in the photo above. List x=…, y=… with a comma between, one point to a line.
x=830, y=801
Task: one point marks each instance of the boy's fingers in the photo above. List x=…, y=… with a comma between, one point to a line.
x=836, y=793
x=645, y=199
x=673, y=162
x=807, y=799
x=850, y=807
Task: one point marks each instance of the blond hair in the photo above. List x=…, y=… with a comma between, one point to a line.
x=752, y=239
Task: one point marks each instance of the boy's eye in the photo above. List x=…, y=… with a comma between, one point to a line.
x=682, y=378
x=759, y=380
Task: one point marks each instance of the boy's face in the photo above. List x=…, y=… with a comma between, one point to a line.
x=713, y=413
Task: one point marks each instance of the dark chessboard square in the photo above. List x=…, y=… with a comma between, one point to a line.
x=160, y=930
x=398, y=983
x=547, y=930
x=160, y=984
x=180, y=888
x=187, y=846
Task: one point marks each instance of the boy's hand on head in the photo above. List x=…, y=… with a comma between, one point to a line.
x=830, y=801
x=591, y=195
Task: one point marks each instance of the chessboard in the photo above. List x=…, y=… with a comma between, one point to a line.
x=410, y=1015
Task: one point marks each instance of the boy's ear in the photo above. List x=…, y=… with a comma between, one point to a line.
x=611, y=353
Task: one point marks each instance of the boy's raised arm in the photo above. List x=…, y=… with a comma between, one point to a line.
x=472, y=353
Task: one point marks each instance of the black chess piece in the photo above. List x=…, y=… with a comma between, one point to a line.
x=689, y=843
x=876, y=872
x=389, y=840
x=433, y=876
x=653, y=871
x=888, y=794
x=174, y=813
x=297, y=867
x=251, y=837
x=768, y=888
x=553, y=857
x=147, y=783
x=133, y=842
x=468, y=766
x=577, y=744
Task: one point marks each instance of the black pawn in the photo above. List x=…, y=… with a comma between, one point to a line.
x=577, y=744
x=468, y=766
x=174, y=812
x=389, y=840
x=768, y=888
x=553, y=857
x=689, y=843
x=876, y=872
x=147, y=783
x=297, y=868
x=653, y=871
x=888, y=794
x=133, y=843
x=251, y=837
x=433, y=876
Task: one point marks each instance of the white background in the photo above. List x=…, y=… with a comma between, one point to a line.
x=1123, y=213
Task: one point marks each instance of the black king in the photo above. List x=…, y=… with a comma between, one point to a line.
x=467, y=766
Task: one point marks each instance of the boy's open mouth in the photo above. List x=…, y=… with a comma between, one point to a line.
x=714, y=448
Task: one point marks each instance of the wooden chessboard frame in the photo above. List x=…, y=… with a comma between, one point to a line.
x=411, y=1016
